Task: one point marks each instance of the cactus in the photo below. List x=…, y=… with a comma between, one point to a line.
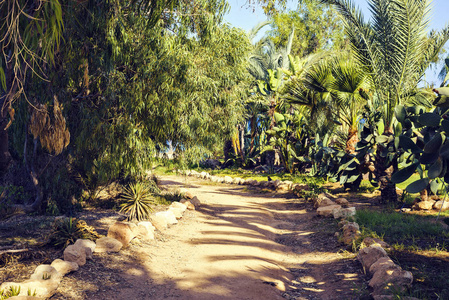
x=423, y=147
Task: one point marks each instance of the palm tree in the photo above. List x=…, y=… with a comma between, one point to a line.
x=264, y=65
x=349, y=87
x=395, y=50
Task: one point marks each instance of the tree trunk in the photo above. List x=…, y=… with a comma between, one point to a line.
x=5, y=157
x=351, y=140
x=36, y=205
x=242, y=142
x=253, y=134
x=384, y=172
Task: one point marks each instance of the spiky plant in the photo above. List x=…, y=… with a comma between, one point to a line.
x=137, y=201
x=395, y=49
x=67, y=230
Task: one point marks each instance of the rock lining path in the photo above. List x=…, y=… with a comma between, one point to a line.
x=239, y=245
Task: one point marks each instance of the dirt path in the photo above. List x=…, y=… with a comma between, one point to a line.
x=240, y=245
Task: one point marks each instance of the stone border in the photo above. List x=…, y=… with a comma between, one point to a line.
x=387, y=277
x=45, y=280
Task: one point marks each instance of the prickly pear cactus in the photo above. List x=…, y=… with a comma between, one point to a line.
x=423, y=147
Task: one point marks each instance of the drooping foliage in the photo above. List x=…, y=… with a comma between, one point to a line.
x=317, y=28
x=128, y=87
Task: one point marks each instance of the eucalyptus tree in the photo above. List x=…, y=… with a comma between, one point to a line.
x=317, y=28
x=395, y=49
x=30, y=33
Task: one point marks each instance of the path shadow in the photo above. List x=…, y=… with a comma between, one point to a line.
x=282, y=226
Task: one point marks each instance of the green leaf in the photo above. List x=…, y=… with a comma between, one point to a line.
x=398, y=129
x=428, y=158
x=444, y=151
x=434, y=144
x=381, y=139
x=353, y=178
x=417, y=186
x=404, y=174
x=435, y=169
x=429, y=119
x=434, y=186
x=400, y=113
x=380, y=127
x=2, y=78
x=278, y=117
x=445, y=125
x=343, y=179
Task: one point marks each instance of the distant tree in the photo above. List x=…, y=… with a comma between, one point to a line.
x=317, y=27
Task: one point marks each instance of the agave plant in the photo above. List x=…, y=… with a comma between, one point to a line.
x=67, y=230
x=137, y=201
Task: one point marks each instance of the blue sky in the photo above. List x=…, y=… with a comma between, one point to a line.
x=247, y=17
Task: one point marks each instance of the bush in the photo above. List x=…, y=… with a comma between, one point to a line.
x=138, y=198
x=67, y=230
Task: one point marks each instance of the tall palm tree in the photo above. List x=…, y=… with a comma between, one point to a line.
x=395, y=49
x=349, y=87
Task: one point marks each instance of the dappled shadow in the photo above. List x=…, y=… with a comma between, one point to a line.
x=238, y=246
x=430, y=273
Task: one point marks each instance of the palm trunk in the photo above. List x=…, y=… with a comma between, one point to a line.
x=384, y=171
x=253, y=134
x=351, y=140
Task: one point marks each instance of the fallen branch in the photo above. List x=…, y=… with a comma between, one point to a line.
x=14, y=251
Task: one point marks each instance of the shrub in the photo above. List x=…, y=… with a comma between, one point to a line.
x=138, y=198
x=67, y=230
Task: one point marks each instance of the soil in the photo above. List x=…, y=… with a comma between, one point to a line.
x=241, y=244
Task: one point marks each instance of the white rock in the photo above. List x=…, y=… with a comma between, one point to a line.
x=159, y=221
x=87, y=245
x=369, y=255
x=179, y=205
x=344, y=212
x=147, y=225
x=169, y=216
x=122, y=231
x=328, y=211
x=64, y=267
x=75, y=254
x=187, y=203
x=176, y=211
x=424, y=205
x=187, y=194
x=45, y=272
x=41, y=288
x=228, y=179
x=440, y=204
x=107, y=244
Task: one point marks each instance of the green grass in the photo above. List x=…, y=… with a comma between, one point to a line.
x=414, y=232
x=246, y=174
x=419, y=244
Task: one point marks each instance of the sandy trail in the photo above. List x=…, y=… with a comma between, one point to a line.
x=238, y=245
